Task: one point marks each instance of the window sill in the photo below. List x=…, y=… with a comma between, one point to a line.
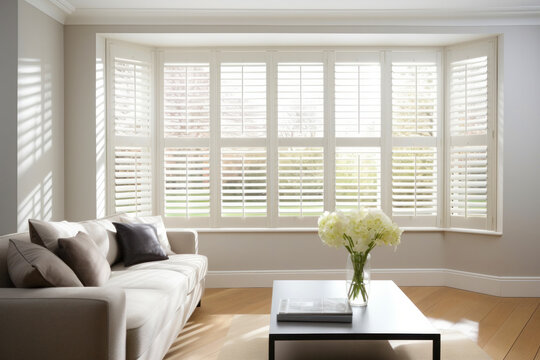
x=314, y=230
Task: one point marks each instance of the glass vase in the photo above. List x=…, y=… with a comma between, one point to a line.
x=358, y=277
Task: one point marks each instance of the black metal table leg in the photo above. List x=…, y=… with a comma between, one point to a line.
x=437, y=348
x=271, y=344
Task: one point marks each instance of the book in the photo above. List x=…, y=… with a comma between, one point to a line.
x=315, y=310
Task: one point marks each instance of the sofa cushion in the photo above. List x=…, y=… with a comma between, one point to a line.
x=157, y=221
x=171, y=282
x=139, y=243
x=83, y=256
x=101, y=231
x=31, y=266
x=147, y=312
x=193, y=266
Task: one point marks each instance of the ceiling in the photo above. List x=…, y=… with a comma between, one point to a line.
x=276, y=12
x=267, y=40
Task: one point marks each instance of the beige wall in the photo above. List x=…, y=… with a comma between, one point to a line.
x=40, y=123
x=514, y=253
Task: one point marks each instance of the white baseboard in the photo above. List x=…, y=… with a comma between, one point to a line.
x=481, y=283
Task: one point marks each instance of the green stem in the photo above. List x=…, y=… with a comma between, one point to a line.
x=358, y=260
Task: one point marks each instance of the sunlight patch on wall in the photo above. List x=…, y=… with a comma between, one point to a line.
x=100, y=139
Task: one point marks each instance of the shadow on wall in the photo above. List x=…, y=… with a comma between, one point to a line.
x=100, y=138
x=35, y=141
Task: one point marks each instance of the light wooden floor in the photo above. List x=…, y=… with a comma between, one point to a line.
x=506, y=328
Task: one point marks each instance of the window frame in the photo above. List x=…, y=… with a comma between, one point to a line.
x=328, y=57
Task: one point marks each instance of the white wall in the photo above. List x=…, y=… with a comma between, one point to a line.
x=40, y=123
x=8, y=116
x=512, y=254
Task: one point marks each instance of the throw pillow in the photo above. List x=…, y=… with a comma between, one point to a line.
x=32, y=266
x=46, y=233
x=83, y=256
x=157, y=221
x=139, y=243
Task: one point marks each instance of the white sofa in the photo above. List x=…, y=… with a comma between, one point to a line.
x=137, y=314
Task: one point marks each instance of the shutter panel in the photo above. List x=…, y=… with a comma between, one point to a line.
x=469, y=116
x=243, y=100
x=301, y=181
x=358, y=178
x=300, y=100
x=131, y=136
x=243, y=182
x=358, y=99
x=469, y=97
x=133, y=180
x=186, y=100
x=187, y=182
x=132, y=97
x=414, y=181
x=468, y=181
x=414, y=99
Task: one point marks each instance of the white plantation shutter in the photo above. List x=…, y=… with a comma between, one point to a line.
x=133, y=180
x=187, y=182
x=468, y=181
x=243, y=100
x=415, y=143
x=301, y=181
x=414, y=98
x=358, y=178
x=414, y=181
x=300, y=100
x=131, y=130
x=132, y=98
x=471, y=76
x=243, y=182
x=186, y=100
x=358, y=99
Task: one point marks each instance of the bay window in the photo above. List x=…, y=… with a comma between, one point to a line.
x=271, y=138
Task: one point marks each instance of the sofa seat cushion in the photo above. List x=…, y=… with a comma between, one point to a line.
x=169, y=282
x=147, y=312
x=193, y=266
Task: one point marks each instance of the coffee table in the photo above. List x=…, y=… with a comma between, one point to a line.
x=389, y=315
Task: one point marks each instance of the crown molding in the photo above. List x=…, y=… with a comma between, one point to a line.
x=59, y=10
x=474, y=17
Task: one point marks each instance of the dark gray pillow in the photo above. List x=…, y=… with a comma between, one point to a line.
x=33, y=266
x=139, y=243
x=83, y=256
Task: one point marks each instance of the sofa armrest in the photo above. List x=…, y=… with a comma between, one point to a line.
x=183, y=241
x=63, y=323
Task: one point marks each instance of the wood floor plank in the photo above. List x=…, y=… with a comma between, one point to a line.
x=528, y=343
x=504, y=326
x=499, y=345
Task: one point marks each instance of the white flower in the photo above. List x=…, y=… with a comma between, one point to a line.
x=366, y=228
x=332, y=228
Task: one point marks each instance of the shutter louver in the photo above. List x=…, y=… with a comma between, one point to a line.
x=468, y=181
x=300, y=100
x=243, y=182
x=133, y=180
x=186, y=100
x=358, y=178
x=301, y=181
x=358, y=100
x=243, y=100
x=132, y=97
x=187, y=182
x=414, y=181
x=414, y=99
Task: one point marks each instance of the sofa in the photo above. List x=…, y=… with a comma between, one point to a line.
x=137, y=314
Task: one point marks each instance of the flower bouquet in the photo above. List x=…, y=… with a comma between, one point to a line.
x=359, y=231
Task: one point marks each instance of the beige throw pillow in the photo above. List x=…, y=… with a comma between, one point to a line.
x=33, y=266
x=157, y=221
x=83, y=256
